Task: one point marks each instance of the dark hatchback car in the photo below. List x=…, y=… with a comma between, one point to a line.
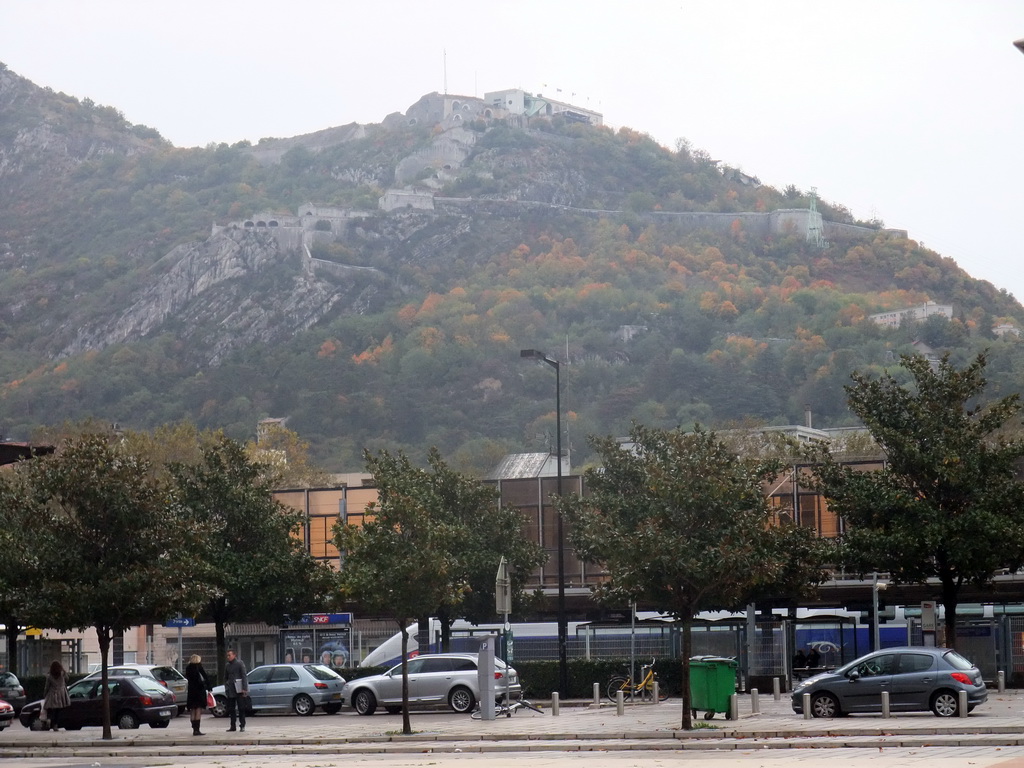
x=133, y=700
x=12, y=691
x=916, y=678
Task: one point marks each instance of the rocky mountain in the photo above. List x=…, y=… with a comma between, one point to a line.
x=373, y=283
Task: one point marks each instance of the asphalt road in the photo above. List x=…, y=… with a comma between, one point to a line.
x=581, y=737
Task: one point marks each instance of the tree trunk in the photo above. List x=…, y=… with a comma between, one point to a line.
x=406, y=724
x=685, y=676
x=218, y=622
x=446, y=622
x=103, y=635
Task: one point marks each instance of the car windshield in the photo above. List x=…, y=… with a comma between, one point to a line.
x=7, y=678
x=956, y=661
x=320, y=672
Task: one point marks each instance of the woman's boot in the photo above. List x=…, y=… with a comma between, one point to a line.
x=195, y=729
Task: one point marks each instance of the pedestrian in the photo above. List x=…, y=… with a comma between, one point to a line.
x=198, y=689
x=799, y=660
x=55, y=694
x=236, y=687
x=813, y=658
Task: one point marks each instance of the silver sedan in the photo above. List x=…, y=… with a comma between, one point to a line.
x=298, y=687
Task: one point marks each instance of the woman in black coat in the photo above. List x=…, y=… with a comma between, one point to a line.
x=198, y=685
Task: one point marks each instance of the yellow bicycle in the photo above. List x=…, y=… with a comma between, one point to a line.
x=644, y=690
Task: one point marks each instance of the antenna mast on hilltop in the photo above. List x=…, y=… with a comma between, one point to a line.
x=445, y=55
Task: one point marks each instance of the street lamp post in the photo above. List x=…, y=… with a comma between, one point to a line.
x=563, y=627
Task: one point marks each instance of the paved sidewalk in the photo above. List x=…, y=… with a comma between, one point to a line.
x=998, y=723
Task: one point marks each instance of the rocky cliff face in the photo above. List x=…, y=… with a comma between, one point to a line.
x=234, y=289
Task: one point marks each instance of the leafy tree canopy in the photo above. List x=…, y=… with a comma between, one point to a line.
x=948, y=505
x=258, y=567
x=682, y=524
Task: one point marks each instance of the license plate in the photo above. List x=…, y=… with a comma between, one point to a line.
x=164, y=713
x=335, y=696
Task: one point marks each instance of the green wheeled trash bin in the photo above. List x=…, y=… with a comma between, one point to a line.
x=712, y=682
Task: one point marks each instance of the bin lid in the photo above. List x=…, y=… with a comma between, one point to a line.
x=713, y=660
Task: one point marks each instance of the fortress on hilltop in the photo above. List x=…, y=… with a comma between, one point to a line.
x=416, y=192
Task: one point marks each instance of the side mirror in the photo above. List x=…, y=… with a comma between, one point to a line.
x=853, y=674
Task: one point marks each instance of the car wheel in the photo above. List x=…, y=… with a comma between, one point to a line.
x=160, y=724
x=220, y=707
x=364, y=702
x=393, y=710
x=945, y=704
x=824, y=705
x=461, y=699
x=303, y=705
x=127, y=721
x=332, y=709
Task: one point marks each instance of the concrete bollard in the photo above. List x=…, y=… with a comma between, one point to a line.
x=734, y=708
x=776, y=689
x=657, y=692
x=554, y=703
x=961, y=703
x=620, y=703
x=807, y=706
x=755, y=704
x=885, y=704
x=597, y=694
x=1001, y=681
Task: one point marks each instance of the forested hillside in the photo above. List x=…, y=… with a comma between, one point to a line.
x=117, y=303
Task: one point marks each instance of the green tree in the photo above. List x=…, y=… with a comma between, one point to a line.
x=19, y=575
x=401, y=563
x=489, y=532
x=947, y=505
x=111, y=543
x=258, y=567
x=682, y=524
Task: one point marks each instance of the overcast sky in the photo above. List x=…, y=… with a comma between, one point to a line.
x=911, y=111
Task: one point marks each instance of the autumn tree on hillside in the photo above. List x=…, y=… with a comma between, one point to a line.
x=286, y=456
x=948, y=504
x=682, y=523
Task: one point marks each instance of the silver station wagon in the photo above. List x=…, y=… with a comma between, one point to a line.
x=916, y=678
x=434, y=679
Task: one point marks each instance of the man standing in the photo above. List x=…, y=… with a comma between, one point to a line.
x=236, y=685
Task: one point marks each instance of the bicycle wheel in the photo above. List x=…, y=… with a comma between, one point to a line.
x=616, y=684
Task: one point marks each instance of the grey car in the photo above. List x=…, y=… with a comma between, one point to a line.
x=298, y=687
x=916, y=678
x=434, y=679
